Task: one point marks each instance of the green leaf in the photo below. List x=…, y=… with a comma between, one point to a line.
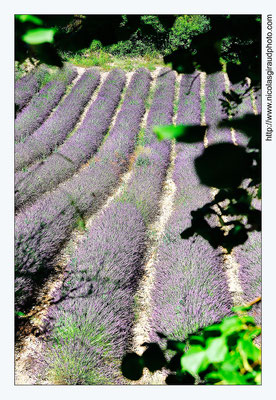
x=233, y=358
x=248, y=319
x=226, y=378
x=216, y=349
x=20, y=314
x=176, y=345
x=132, y=366
x=29, y=18
x=258, y=378
x=212, y=331
x=241, y=309
x=39, y=35
x=229, y=366
x=255, y=332
x=193, y=339
x=182, y=133
x=233, y=378
x=213, y=377
x=248, y=349
x=231, y=325
x=195, y=360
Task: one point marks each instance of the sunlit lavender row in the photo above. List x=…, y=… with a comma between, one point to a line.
x=96, y=301
x=89, y=327
x=189, y=104
x=161, y=111
x=28, y=85
x=190, y=289
x=42, y=103
x=42, y=228
x=145, y=185
x=75, y=151
x=214, y=86
x=65, y=175
x=56, y=128
x=249, y=256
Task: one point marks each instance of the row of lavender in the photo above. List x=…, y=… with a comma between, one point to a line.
x=42, y=228
x=56, y=128
x=200, y=293
x=92, y=320
x=190, y=289
x=90, y=325
x=161, y=111
x=28, y=85
x=95, y=312
x=79, y=147
x=248, y=255
x=42, y=103
x=164, y=105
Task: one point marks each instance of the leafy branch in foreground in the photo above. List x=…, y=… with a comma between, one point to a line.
x=221, y=354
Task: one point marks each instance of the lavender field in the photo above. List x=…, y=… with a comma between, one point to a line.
x=99, y=204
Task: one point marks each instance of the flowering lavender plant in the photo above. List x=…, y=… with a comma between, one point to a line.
x=26, y=87
x=190, y=289
x=89, y=326
x=42, y=228
x=55, y=129
x=41, y=105
x=78, y=148
x=161, y=110
x=214, y=112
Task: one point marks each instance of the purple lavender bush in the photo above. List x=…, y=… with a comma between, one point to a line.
x=145, y=186
x=28, y=85
x=89, y=326
x=214, y=113
x=249, y=257
x=55, y=129
x=190, y=289
x=258, y=100
x=41, y=105
x=242, y=109
x=161, y=110
x=41, y=229
x=189, y=106
x=63, y=163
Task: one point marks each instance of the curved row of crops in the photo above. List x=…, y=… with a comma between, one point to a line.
x=65, y=175
x=42, y=103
